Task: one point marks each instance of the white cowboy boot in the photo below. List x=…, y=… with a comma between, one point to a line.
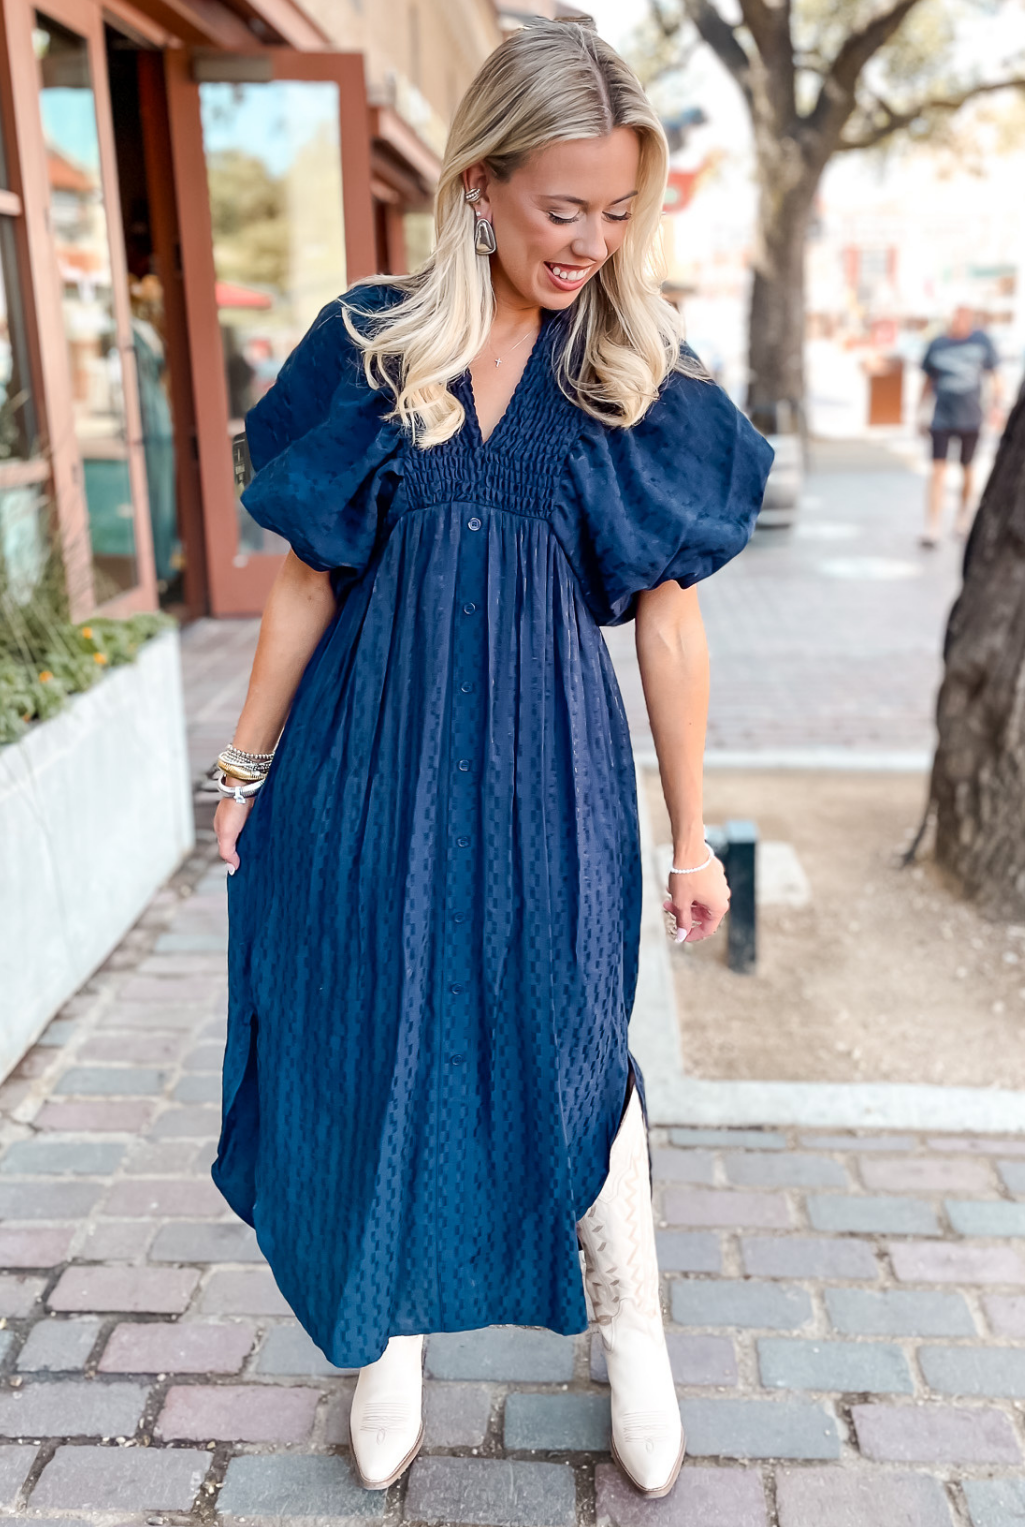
x=618, y=1237
x=386, y=1421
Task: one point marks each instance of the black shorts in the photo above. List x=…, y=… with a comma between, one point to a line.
x=941, y=438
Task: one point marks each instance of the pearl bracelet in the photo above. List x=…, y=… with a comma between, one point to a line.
x=695, y=867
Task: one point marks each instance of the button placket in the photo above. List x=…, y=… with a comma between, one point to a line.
x=460, y=977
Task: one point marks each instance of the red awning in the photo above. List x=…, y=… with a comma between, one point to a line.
x=231, y=295
x=680, y=189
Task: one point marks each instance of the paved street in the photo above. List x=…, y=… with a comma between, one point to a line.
x=847, y=1313
x=827, y=635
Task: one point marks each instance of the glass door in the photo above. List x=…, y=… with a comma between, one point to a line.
x=284, y=226
x=89, y=253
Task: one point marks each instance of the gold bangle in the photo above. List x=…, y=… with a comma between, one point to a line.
x=237, y=771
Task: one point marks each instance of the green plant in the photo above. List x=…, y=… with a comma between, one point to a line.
x=45, y=657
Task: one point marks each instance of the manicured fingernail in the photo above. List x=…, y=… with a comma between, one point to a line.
x=681, y=934
x=231, y=869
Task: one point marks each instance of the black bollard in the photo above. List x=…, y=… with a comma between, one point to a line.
x=741, y=940
x=735, y=844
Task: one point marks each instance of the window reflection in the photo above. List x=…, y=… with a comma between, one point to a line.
x=17, y=419
x=79, y=228
x=274, y=177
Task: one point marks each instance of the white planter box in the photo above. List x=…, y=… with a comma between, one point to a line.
x=95, y=813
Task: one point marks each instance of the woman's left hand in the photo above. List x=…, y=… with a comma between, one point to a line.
x=698, y=901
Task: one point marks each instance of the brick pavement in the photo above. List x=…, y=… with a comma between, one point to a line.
x=846, y=1313
x=827, y=635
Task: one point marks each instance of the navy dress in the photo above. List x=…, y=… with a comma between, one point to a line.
x=434, y=929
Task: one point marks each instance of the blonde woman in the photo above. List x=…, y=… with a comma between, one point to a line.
x=428, y=1100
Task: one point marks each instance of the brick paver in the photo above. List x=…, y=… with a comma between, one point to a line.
x=491, y=1491
x=824, y=1498
x=199, y=1346
x=846, y=1312
x=119, y=1479
x=15, y=1462
x=238, y=1412
x=995, y=1502
x=289, y=1487
x=60, y=1346
x=709, y=1497
x=936, y=1434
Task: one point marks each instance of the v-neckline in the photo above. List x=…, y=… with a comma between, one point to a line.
x=471, y=405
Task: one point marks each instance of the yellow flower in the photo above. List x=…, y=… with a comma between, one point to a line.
x=87, y=632
x=45, y=676
x=99, y=657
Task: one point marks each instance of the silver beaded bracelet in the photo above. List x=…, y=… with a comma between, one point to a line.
x=695, y=867
x=239, y=755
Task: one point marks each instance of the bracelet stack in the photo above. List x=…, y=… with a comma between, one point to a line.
x=245, y=766
x=242, y=773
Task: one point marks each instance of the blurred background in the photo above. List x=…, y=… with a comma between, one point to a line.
x=185, y=183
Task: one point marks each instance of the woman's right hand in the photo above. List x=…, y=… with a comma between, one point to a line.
x=229, y=820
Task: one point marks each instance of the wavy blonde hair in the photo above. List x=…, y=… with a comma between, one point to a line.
x=548, y=82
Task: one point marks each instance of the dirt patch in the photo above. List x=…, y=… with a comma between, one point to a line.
x=885, y=977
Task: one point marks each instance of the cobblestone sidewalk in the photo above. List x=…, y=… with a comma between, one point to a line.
x=847, y=1313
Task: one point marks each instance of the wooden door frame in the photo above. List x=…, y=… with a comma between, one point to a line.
x=86, y=20
x=42, y=298
x=163, y=213
x=239, y=585
x=35, y=470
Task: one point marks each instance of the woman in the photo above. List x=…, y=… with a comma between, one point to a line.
x=428, y=1102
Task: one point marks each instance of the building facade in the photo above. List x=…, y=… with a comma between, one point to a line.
x=183, y=185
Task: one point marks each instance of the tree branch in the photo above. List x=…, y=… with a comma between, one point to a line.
x=760, y=22
x=769, y=27
x=896, y=120
x=860, y=46
x=836, y=99
x=722, y=39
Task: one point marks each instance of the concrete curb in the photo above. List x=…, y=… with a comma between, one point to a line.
x=675, y=1098
x=833, y=759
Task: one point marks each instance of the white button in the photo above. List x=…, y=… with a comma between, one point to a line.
x=473, y=524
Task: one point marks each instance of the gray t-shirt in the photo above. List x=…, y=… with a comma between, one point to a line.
x=955, y=367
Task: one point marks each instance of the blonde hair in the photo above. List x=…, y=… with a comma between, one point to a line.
x=546, y=83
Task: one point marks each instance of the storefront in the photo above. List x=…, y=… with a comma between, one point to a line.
x=182, y=187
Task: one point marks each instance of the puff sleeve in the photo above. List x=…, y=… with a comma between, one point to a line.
x=318, y=442
x=674, y=497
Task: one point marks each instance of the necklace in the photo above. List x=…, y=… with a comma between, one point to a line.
x=499, y=358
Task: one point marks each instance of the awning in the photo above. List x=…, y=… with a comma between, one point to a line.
x=230, y=295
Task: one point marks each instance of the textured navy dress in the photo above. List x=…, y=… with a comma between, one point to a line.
x=434, y=929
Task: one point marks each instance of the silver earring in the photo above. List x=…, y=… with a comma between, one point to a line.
x=484, y=237
x=472, y=196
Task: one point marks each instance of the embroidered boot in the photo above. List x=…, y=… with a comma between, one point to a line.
x=618, y=1237
x=386, y=1422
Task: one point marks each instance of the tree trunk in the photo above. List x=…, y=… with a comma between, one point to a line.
x=978, y=777
x=776, y=329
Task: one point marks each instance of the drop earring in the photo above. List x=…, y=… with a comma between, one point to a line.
x=484, y=237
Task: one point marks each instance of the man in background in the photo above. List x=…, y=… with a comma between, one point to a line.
x=955, y=365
